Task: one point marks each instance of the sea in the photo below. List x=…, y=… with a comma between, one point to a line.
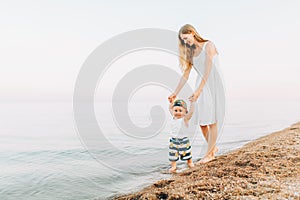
x=44, y=155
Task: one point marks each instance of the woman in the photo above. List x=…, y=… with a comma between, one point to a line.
x=202, y=55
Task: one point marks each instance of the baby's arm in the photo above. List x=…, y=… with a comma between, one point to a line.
x=170, y=107
x=191, y=111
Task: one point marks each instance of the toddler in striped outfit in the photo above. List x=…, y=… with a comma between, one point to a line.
x=179, y=145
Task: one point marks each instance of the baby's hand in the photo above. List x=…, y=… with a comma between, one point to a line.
x=172, y=101
x=171, y=98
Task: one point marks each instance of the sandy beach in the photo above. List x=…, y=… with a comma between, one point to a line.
x=267, y=168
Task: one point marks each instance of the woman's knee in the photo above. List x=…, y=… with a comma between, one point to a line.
x=213, y=126
x=204, y=127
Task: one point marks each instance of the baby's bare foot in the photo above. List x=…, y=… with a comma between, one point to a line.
x=191, y=165
x=172, y=170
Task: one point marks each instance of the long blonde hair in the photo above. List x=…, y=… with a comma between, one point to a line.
x=186, y=53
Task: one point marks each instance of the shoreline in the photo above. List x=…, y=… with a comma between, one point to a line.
x=268, y=167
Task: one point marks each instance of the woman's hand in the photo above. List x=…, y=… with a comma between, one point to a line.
x=194, y=97
x=172, y=97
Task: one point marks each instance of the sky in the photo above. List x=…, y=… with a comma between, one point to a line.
x=45, y=43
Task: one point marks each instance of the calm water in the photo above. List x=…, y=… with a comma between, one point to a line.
x=42, y=156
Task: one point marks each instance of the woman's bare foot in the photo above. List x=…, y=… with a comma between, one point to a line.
x=215, y=149
x=206, y=159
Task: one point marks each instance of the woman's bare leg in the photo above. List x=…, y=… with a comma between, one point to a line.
x=211, y=149
x=205, y=131
x=212, y=138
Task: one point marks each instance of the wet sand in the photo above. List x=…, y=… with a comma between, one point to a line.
x=267, y=168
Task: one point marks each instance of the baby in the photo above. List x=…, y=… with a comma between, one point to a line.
x=179, y=141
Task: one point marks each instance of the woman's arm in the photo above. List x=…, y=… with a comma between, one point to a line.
x=183, y=80
x=171, y=107
x=210, y=52
x=191, y=111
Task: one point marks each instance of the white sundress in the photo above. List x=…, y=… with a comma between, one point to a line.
x=211, y=102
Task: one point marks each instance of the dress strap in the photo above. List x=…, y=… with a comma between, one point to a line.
x=204, y=45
